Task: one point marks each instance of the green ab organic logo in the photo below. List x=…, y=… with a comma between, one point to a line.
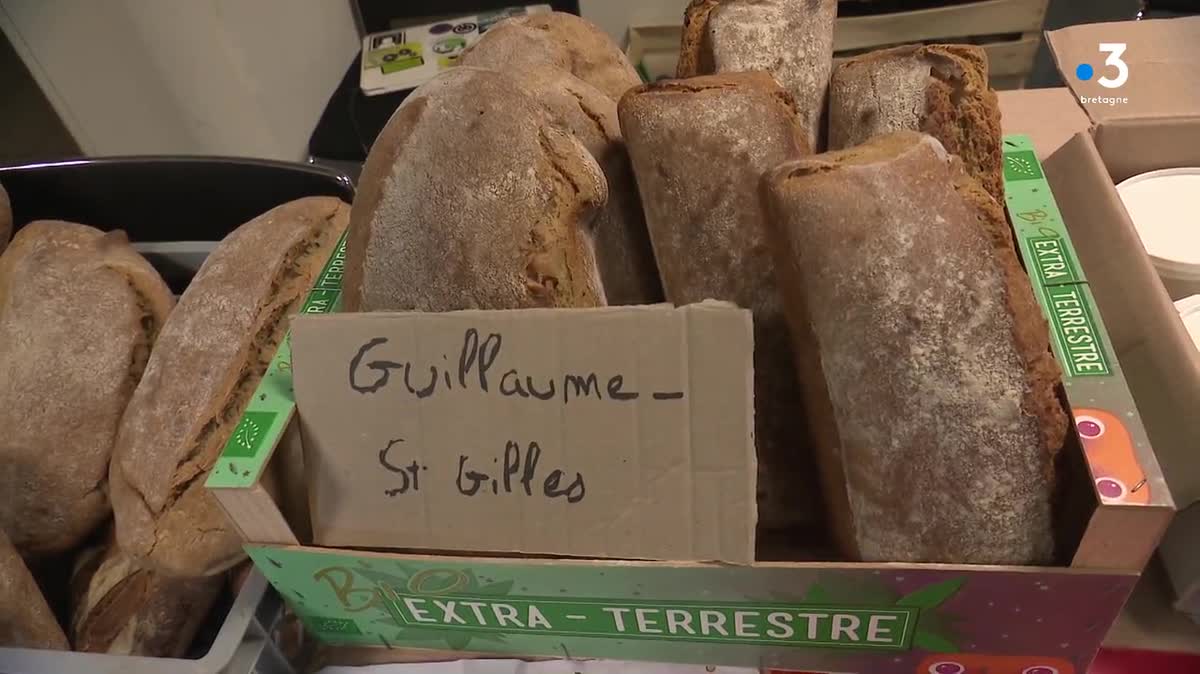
x=1021, y=165
x=249, y=435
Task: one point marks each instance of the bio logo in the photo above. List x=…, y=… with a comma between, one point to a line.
x=1085, y=71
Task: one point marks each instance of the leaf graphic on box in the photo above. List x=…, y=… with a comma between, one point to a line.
x=932, y=596
x=457, y=641
x=500, y=589
x=933, y=642
x=247, y=434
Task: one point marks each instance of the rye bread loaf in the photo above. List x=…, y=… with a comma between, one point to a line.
x=623, y=253
x=25, y=619
x=472, y=198
x=119, y=608
x=924, y=355
x=6, y=219
x=555, y=39
x=209, y=358
x=791, y=39
x=940, y=89
x=79, y=311
x=699, y=147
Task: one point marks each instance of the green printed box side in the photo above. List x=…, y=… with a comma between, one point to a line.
x=270, y=410
x=887, y=619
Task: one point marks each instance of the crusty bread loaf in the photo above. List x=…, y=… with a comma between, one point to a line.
x=623, y=252
x=556, y=39
x=209, y=358
x=471, y=198
x=6, y=219
x=119, y=608
x=940, y=89
x=791, y=39
x=699, y=147
x=79, y=311
x=925, y=357
x=25, y=619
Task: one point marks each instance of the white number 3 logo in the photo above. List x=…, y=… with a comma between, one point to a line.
x=1114, y=51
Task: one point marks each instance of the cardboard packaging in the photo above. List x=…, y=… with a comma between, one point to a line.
x=783, y=609
x=1150, y=122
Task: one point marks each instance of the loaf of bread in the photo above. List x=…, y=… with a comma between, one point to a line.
x=940, y=89
x=6, y=219
x=25, y=619
x=209, y=358
x=119, y=608
x=699, y=147
x=623, y=252
x=791, y=39
x=555, y=39
x=79, y=311
x=472, y=198
x=924, y=355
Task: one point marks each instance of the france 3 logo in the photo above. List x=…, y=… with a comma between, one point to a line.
x=1085, y=71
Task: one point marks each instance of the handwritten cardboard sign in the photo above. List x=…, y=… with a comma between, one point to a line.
x=621, y=432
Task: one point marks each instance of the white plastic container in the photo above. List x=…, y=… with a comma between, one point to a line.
x=1189, y=312
x=1165, y=207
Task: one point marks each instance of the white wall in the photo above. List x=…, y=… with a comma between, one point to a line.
x=615, y=16
x=228, y=77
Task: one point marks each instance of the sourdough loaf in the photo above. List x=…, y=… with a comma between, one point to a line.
x=699, y=147
x=79, y=311
x=209, y=358
x=925, y=358
x=25, y=619
x=940, y=89
x=555, y=39
x=791, y=39
x=623, y=253
x=472, y=198
x=6, y=219
x=119, y=608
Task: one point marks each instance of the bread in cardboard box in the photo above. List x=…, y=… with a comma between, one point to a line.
x=79, y=312
x=555, y=39
x=924, y=355
x=209, y=358
x=473, y=198
x=699, y=147
x=791, y=39
x=25, y=619
x=940, y=89
x=119, y=608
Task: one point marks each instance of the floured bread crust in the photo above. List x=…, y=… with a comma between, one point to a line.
x=473, y=198
x=79, y=312
x=940, y=89
x=25, y=619
x=920, y=343
x=698, y=148
x=555, y=39
x=209, y=358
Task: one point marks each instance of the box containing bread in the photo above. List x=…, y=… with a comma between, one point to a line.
x=99, y=292
x=1128, y=188
x=731, y=369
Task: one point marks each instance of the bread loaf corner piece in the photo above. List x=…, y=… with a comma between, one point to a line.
x=557, y=39
x=119, y=608
x=26, y=621
x=940, y=89
x=6, y=219
x=941, y=421
x=791, y=39
x=699, y=147
x=473, y=198
x=208, y=360
x=79, y=312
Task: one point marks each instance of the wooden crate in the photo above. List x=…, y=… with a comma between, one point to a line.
x=1008, y=30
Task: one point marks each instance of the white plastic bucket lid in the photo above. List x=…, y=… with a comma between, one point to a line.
x=1189, y=312
x=1165, y=207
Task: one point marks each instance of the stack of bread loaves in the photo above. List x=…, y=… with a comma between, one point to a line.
x=115, y=402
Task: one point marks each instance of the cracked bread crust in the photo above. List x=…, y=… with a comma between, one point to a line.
x=26, y=621
x=79, y=311
x=939, y=89
x=919, y=339
x=210, y=356
x=699, y=147
x=473, y=198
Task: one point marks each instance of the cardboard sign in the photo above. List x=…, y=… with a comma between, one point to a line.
x=623, y=432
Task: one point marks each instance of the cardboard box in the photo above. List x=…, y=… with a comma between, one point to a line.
x=784, y=609
x=1151, y=121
